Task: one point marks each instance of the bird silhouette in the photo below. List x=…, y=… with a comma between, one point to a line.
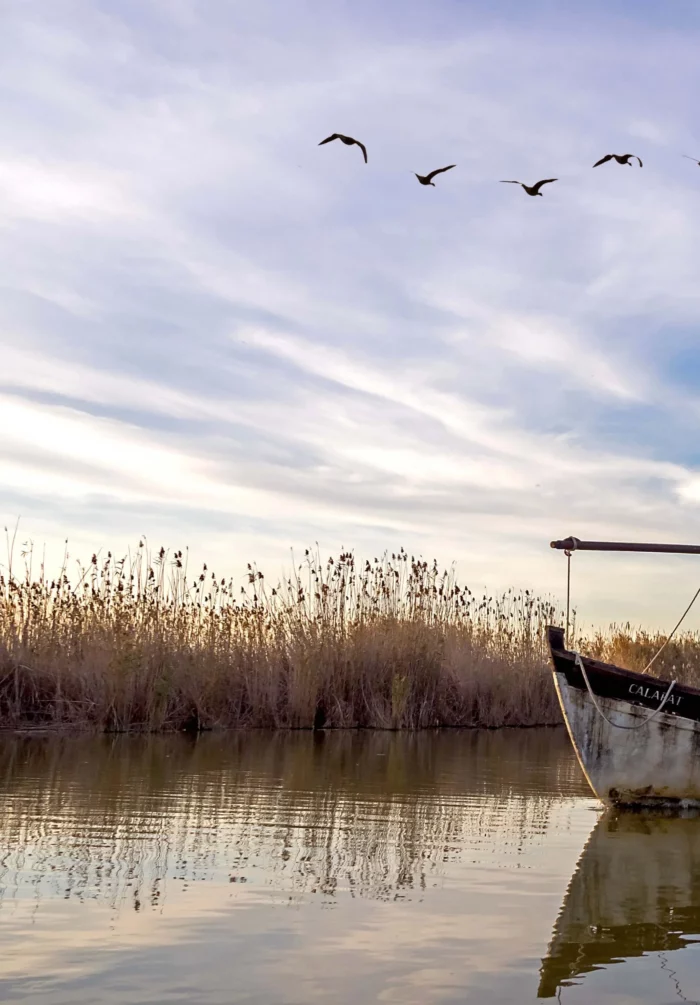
x=427, y=179
x=620, y=158
x=530, y=189
x=348, y=141
x=692, y=159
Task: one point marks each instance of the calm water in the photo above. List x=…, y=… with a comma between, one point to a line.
x=447, y=867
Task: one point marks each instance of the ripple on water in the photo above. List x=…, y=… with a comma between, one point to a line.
x=285, y=865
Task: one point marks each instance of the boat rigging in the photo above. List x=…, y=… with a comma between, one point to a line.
x=637, y=738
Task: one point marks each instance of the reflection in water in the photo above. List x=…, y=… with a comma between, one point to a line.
x=370, y=814
x=636, y=890
x=284, y=868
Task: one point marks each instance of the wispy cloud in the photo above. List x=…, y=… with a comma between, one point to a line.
x=216, y=331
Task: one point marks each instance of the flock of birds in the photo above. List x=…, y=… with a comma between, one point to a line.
x=427, y=179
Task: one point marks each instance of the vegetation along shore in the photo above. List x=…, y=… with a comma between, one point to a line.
x=140, y=643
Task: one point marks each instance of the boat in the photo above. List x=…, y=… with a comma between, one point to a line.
x=635, y=892
x=636, y=736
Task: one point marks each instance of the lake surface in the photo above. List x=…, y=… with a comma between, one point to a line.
x=335, y=867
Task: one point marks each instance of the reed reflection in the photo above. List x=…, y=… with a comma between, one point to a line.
x=635, y=891
x=361, y=814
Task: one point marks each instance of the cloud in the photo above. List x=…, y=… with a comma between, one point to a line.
x=54, y=192
x=207, y=316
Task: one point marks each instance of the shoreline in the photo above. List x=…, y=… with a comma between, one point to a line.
x=61, y=729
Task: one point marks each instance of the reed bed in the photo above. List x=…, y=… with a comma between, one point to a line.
x=634, y=648
x=140, y=643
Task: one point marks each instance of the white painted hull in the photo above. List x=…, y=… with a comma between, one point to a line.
x=656, y=763
x=637, y=738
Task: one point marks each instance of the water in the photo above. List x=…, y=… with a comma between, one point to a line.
x=349, y=868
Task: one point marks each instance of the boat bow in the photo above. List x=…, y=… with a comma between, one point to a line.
x=633, y=750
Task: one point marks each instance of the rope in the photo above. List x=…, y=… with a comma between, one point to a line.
x=579, y=661
x=579, y=664
x=574, y=546
x=568, y=553
x=678, y=625
x=568, y=597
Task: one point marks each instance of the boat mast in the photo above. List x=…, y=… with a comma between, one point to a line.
x=571, y=544
x=574, y=544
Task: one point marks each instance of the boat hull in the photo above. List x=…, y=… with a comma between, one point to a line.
x=657, y=761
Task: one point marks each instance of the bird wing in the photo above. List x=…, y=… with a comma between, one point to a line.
x=639, y=159
x=440, y=171
x=335, y=136
x=545, y=181
x=363, y=148
x=608, y=157
x=505, y=181
x=691, y=158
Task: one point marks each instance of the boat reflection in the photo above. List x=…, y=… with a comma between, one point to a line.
x=636, y=890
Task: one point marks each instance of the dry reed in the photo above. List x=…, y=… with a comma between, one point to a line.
x=633, y=648
x=138, y=643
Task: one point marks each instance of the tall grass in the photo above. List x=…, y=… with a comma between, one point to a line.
x=140, y=643
x=633, y=648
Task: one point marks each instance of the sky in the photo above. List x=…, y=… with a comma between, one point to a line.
x=220, y=335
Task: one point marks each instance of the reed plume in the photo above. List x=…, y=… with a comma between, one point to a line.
x=139, y=643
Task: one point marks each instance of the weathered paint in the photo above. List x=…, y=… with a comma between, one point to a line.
x=657, y=763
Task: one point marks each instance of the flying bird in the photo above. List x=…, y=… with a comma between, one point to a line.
x=531, y=189
x=692, y=159
x=427, y=179
x=348, y=141
x=620, y=158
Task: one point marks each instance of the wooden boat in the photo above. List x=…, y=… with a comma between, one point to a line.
x=635, y=891
x=637, y=737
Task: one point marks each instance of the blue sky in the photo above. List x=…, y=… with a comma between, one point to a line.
x=219, y=334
